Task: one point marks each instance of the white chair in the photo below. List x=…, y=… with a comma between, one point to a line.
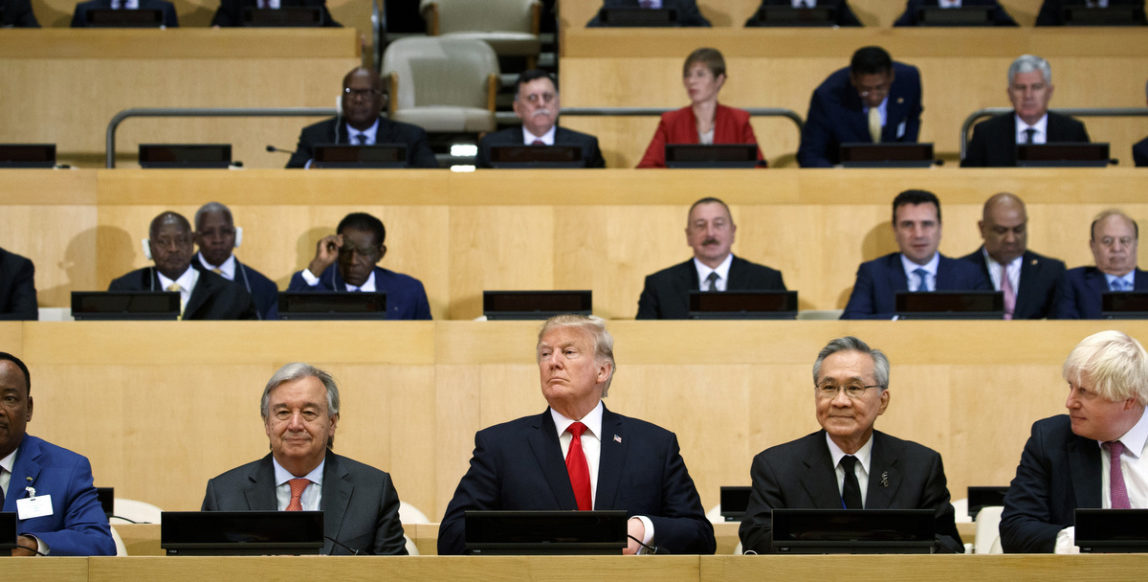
x=988, y=531
x=121, y=549
x=132, y=511
x=412, y=515
x=510, y=27
x=961, y=510
x=442, y=84
x=714, y=514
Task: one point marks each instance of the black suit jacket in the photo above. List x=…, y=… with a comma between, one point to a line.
x=912, y=7
x=264, y=292
x=80, y=16
x=994, y=140
x=230, y=12
x=359, y=503
x=688, y=13
x=842, y=11
x=212, y=298
x=667, y=292
x=1140, y=152
x=519, y=465
x=1038, y=277
x=419, y=153
x=1079, y=293
x=562, y=136
x=800, y=474
x=17, y=287
x=1058, y=472
x=1051, y=11
x=17, y=13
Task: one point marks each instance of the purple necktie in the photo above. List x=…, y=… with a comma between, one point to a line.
x=1009, y=293
x=1116, y=486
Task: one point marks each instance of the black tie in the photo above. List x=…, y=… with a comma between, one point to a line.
x=1029, y=134
x=850, y=490
x=711, y=281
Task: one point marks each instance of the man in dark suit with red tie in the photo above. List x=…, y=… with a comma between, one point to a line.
x=1114, y=239
x=611, y=461
x=1029, y=90
x=1028, y=280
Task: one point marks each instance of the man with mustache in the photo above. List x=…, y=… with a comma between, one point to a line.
x=710, y=233
x=1029, y=90
x=536, y=103
x=1114, y=239
x=1094, y=457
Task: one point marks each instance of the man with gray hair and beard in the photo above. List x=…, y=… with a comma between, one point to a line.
x=300, y=409
x=1030, y=122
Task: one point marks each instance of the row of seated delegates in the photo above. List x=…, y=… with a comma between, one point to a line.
x=17, y=287
x=229, y=13
x=704, y=120
x=49, y=488
x=361, y=123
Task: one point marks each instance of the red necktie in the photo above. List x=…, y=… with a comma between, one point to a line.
x=537, y=142
x=297, y=487
x=578, y=469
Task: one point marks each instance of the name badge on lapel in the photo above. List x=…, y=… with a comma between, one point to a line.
x=33, y=506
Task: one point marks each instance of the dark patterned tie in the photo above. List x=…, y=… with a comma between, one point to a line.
x=850, y=489
x=711, y=281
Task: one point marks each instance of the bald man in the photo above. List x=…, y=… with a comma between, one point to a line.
x=1113, y=240
x=1027, y=279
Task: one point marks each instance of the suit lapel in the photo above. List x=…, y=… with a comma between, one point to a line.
x=884, y=474
x=819, y=479
x=1096, y=281
x=337, y=490
x=204, y=288
x=898, y=281
x=737, y=276
x=1084, y=470
x=1026, y=293
x=547, y=451
x=260, y=490
x=611, y=461
x=24, y=473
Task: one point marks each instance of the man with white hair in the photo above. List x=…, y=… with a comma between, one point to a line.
x=1029, y=90
x=1093, y=457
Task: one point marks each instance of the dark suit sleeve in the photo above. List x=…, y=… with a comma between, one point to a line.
x=816, y=135
x=85, y=531
x=210, y=498
x=860, y=305
x=1026, y=522
x=909, y=16
x=936, y=497
x=594, y=157
x=977, y=152
x=303, y=151
x=421, y=154
x=1064, y=299
x=648, y=304
x=478, y=489
x=1049, y=14
x=389, y=538
x=22, y=301
x=1140, y=153
x=298, y=283
x=689, y=14
x=684, y=528
x=170, y=18
x=756, y=530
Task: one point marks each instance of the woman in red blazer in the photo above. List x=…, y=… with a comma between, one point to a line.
x=704, y=120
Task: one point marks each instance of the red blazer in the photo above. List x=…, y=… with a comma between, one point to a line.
x=730, y=126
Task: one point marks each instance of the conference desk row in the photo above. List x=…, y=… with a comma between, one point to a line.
x=562, y=568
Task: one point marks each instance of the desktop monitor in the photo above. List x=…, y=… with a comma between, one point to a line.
x=743, y=305
x=185, y=156
x=535, y=304
x=343, y=156
x=107, y=497
x=950, y=305
x=981, y=497
x=726, y=155
x=108, y=18
x=963, y=16
x=637, y=17
x=853, y=531
x=1112, y=530
x=1062, y=154
x=309, y=306
x=1124, y=305
x=546, y=532
x=241, y=533
x=27, y=155
x=285, y=16
x=886, y=155
x=7, y=531
x=125, y=305
x=734, y=500
x=1110, y=16
x=536, y=156
x=790, y=16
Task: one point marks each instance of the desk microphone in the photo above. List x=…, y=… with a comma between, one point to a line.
x=276, y=150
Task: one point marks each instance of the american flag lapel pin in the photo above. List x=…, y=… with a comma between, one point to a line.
x=617, y=439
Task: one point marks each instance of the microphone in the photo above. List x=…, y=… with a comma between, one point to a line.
x=354, y=551
x=652, y=550
x=276, y=150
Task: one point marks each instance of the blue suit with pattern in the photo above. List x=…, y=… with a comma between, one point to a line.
x=878, y=281
x=77, y=525
x=1079, y=290
x=406, y=298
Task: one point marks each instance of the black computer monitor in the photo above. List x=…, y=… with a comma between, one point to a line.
x=343, y=156
x=241, y=533
x=734, y=500
x=853, y=531
x=545, y=532
x=185, y=155
x=743, y=304
x=790, y=16
x=27, y=155
x=637, y=17
x=950, y=305
x=1112, y=530
x=886, y=155
x=285, y=16
x=310, y=306
x=107, y=497
x=981, y=497
x=7, y=530
x=125, y=305
x=535, y=304
x=1110, y=16
x=726, y=155
x=1124, y=305
x=1062, y=155
x=533, y=157
x=963, y=16
x=107, y=18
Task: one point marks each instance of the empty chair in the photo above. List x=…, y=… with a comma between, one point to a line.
x=961, y=510
x=132, y=511
x=444, y=85
x=509, y=26
x=988, y=530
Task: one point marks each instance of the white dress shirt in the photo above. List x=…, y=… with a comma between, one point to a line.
x=722, y=271
x=1041, y=127
x=371, y=133
x=312, y=495
x=226, y=270
x=861, y=468
x=186, y=283
x=1013, y=270
x=547, y=138
x=930, y=268
x=949, y=3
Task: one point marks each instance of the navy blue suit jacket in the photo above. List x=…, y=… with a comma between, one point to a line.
x=1078, y=292
x=688, y=13
x=230, y=12
x=1140, y=152
x=800, y=474
x=264, y=292
x=912, y=7
x=359, y=503
x=406, y=298
x=80, y=16
x=568, y=137
x=77, y=526
x=994, y=141
x=878, y=281
x=17, y=287
x=1058, y=472
x=836, y=116
x=419, y=153
x=519, y=465
x=1038, y=277
x=666, y=294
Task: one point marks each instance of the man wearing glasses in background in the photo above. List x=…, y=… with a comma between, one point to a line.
x=848, y=465
x=873, y=100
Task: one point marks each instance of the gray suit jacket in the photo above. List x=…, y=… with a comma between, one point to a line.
x=360, y=505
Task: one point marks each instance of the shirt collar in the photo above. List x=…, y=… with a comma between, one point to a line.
x=995, y=266
x=1041, y=127
x=1136, y=436
x=1128, y=277
x=592, y=420
x=186, y=281
x=930, y=267
x=547, y=138
x=283, y=475
x=226, y=270
x=949, y=3
x=7, y=463
x=863, y=454
x=372, y=133
x=368, y=286
x=722, y=269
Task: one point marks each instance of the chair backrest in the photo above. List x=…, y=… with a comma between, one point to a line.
x=434, y=71
x=483, y=15
x=988, y=530
x=411, y=514
x=961, y=510
x=136, y=511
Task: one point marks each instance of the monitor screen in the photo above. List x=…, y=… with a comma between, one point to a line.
x=241, y=533
x=107, y=497
x=637, y=17
x=1112, y=530
x=107, y=18
x=950, y=305
x=886, y=155
x=307, y=305
x=1065, y=154
x=963, y=16
x=535, y=304
x=390, y=155
x=853, y=531
x=1110, y=16
x=726, y=155
x=27, y=155
x=285, y=16
x=743, y=304
x=545, y=532
x=790, y=16
x=985, y=496
x=1124, y=305
x=532, y=156
x=183, y=155
x=125, y=305
x=7, y=530
x=734, y=500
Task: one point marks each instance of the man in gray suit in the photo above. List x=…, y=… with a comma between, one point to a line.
x=360, y=506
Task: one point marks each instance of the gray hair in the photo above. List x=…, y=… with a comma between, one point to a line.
x=297, y=371
x=852, y=344
x=1116, y=364
x=211, y=207
x=1028, y=64
x=596, y=327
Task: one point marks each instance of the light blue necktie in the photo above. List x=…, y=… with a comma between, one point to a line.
x=1118, y=285
x=921, y=275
